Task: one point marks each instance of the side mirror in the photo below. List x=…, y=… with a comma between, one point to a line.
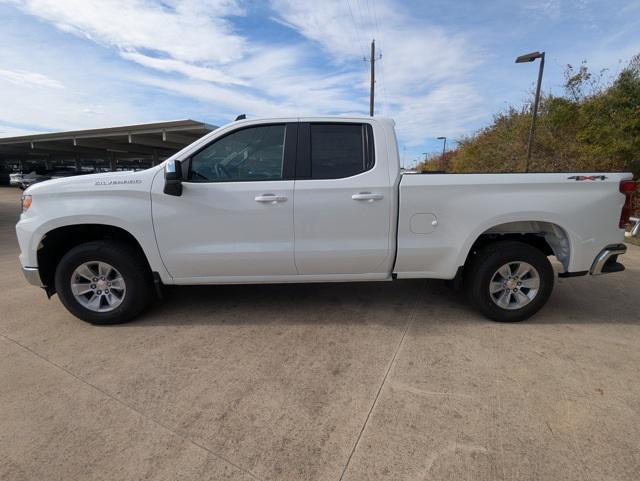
x=173, y=178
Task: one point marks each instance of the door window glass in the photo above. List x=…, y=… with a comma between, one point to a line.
x=250, y=154
x=339, y=150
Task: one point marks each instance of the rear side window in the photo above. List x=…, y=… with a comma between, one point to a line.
x=340, y=150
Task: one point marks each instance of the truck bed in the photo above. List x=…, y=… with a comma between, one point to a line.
x=442, y=215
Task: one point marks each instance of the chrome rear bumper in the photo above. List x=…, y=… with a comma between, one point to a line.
x=607, y=260
x=635, y=230
x=33, y=276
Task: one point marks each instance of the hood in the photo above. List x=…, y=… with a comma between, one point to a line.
x=93, y=181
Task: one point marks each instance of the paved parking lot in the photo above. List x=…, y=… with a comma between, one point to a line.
x=381, y=381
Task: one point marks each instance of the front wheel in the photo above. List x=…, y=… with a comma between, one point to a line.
x=509, y=281
x=103, y=282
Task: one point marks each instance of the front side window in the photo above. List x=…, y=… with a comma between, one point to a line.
x=250, y=154
x=340, y=150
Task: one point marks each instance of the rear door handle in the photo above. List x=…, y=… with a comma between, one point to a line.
x=270, y=198
x=368, y=196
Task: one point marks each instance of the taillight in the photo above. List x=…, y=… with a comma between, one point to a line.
x=627, y=187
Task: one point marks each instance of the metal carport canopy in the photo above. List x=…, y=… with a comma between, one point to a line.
x=153, y=141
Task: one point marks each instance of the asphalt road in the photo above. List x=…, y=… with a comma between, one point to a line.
x=382, y=381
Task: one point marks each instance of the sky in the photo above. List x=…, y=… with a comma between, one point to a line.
x=447, y=66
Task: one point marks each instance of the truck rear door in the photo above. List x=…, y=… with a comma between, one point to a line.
x=343, y=200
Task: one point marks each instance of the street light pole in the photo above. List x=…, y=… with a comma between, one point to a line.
x=530, y=57
x=444, y=148
x=535, y=110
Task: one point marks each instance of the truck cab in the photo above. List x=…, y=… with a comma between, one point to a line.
x=282, y=201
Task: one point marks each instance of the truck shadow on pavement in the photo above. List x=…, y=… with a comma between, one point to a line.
x=608, y=299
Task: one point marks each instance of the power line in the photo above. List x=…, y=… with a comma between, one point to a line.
x=362, y=16
x=358, y=30
x=375, y=17
x=371, y=24
x=383, y=88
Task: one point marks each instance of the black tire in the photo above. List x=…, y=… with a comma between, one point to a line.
x=492, y=257
x=122, y=257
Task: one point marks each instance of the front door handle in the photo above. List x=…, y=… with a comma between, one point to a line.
x=368, y=196
x=270, y=198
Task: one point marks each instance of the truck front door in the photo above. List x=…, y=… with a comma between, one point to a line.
x=235, y=215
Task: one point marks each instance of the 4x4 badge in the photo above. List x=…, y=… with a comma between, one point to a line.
x=587, y=177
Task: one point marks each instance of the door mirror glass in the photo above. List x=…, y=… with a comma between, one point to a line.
x=173, y=170
x=173, y=178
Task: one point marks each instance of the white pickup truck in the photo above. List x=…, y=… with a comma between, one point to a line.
x=317, y=199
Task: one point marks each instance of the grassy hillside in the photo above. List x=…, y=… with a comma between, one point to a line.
x=593, y=126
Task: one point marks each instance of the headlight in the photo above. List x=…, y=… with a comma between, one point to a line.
x=25, y=202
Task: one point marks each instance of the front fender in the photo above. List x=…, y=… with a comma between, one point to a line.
x=122, y=207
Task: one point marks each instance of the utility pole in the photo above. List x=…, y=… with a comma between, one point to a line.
x=373, y=76
x=372, y=59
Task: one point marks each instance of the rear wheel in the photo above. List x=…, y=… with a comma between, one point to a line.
x=103, y=282
x=509, y=281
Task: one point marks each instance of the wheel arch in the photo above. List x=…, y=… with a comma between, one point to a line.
x=549, y=237
x=60, y=240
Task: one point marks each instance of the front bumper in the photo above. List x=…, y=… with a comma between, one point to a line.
x=33, y=276
x=607, y=260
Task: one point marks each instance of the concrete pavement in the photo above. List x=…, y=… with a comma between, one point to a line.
x=381, y=381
